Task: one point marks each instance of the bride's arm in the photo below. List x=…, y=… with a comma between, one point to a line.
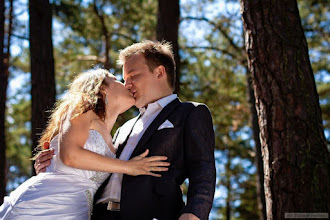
x=74, y=155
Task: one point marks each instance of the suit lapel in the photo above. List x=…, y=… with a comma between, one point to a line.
x=122, y=145
x=155, y=124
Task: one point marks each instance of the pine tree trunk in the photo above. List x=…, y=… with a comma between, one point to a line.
x=42, y=66
x=228, y=186
x=167, y=29
x=258, y=156
x=105, y=35
x=4, y=75
x=3, y=98
x=296, y=158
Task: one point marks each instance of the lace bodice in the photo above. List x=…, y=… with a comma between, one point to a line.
x=95, y=143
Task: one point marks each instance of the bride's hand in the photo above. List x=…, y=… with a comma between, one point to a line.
x=142, y=165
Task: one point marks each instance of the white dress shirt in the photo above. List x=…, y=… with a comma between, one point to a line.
x=113, y=190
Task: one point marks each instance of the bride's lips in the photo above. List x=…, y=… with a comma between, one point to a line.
x=133, y=93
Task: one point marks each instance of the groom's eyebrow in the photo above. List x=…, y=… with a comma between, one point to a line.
x=125, y=75
x=128, y=73
x=131, y=70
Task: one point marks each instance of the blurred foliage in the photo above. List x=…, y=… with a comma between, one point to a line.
x=82, y=45
x=18, y=136
x=214, y=72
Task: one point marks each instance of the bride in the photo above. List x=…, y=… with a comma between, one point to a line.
x=79, y=131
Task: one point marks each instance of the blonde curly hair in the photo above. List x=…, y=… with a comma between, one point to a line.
x=84, y=94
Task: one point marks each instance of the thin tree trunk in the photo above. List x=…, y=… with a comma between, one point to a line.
x=258, y=156
x=5, y=57
x=42, y=66
x=105, y=35
x=167, y=29
x=3, y=98
x=228, y=185
x=296, y=158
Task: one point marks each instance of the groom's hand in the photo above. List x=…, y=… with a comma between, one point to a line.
x=188, y=216
x=43, y=161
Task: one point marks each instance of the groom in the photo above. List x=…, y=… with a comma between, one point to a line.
x=181, y=131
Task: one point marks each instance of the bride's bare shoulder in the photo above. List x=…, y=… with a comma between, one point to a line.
x=85, y=118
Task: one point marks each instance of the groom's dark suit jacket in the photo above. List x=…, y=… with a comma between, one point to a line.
x=189, y=147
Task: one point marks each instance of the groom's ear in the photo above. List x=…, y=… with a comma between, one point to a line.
x=160, y=72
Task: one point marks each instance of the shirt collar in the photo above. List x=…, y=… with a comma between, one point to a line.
x=160, y=103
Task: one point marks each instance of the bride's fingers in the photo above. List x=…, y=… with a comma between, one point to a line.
x=43, y=155
x=159, y=164
x=42, y=170
x=153, y=174
x=46, y=155
x=144, y=154
x=41, y=167
x=157, y=158
x=158, y=169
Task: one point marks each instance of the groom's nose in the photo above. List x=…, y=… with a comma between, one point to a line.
x=128, y=84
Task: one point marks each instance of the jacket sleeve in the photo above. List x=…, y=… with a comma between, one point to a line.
x=199, y=161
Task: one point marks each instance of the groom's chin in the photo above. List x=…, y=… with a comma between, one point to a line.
x=138, y=104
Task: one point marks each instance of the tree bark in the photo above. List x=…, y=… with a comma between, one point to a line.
x=258, y=156
x=42, y=66
x=295, y=155
x=260, y=189
x=4, y=75
x=167, y=29
x=3, y=98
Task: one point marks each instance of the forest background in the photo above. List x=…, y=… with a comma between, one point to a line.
x=207, y=36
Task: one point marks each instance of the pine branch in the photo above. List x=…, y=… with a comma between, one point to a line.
x=90, y=58
x=212, y=48
x=20, y=37
x=218, y=27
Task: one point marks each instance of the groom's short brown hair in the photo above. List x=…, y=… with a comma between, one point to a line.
x=156, y=53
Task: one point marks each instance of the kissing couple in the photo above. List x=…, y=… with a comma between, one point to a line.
x=137, y=174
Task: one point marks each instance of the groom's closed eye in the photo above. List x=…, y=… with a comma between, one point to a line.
x=134, y=76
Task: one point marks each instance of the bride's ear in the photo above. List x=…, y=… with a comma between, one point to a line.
x=102, y=90
x=104, y=94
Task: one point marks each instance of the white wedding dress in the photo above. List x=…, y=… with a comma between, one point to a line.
x=61, y=192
